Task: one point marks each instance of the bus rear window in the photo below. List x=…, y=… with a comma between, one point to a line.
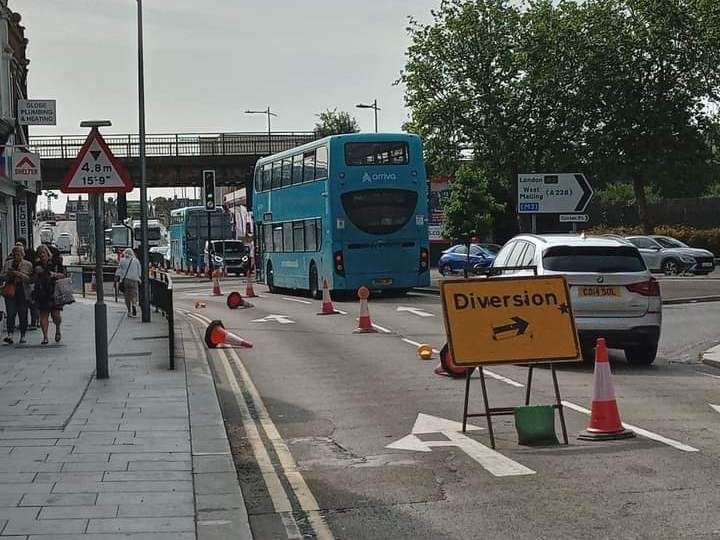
x=605, y=260
x=379, y=211
x=378, y=153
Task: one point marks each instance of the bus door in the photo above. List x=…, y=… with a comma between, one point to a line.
x=259, y=246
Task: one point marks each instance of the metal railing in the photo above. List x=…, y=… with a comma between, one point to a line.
x=161, y=296
x=176, y=145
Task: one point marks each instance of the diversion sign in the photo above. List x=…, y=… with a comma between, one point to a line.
x=509, y=320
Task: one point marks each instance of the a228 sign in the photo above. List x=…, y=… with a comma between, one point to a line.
x=509, y=320
x=96, y=170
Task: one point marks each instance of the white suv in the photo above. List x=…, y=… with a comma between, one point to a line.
x=612, y=292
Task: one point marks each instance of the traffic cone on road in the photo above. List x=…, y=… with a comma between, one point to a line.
x=327, y=305
x=216, y=283
x=216, y=336
x=249, y=291
x=236, y=301
x=365, y=325
x=605, y=423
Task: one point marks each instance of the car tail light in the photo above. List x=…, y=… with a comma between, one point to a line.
x=424, y=256
x=339, y=263
x=646, y=288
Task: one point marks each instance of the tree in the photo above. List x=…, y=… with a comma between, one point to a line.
x=332, y=122
x=470, y=209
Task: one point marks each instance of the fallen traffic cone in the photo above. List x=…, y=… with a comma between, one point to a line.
x=424, y=351
x=327, y=305
x=216, y=283
x=365, y=325
x=235, y=301
x=605, y=423
x=447, y=367
x=200, y=304
x=216, y=336
x=249, y=291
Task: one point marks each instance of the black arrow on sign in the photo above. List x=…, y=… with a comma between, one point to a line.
x=587, y=192
x=518, y=326
x=95, y=154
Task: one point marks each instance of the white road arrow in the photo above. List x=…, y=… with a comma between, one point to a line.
x=492, y=461
x=282, y=319
x=415, y=311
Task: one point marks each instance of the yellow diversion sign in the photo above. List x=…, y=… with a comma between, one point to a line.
x=507, y=320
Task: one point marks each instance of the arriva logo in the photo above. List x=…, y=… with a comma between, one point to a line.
x=383, y=177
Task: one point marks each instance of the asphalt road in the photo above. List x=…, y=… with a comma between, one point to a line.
x=312, y=408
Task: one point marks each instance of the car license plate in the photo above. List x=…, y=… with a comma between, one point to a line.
x=383, y=281
x=707, y=264
x=599, y=291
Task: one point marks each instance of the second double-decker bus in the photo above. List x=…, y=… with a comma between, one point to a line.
x=347, y=208
x=189, y=231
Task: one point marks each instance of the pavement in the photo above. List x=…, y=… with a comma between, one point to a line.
x=341, y=435
x=142, y=455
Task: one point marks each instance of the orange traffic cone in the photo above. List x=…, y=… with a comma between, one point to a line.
x=249, y=291
x=327, y=305
x=216, y=283
x=605, y=423
x=365, y=325
x=235, y=301
x=447, y=367
x=216, y=336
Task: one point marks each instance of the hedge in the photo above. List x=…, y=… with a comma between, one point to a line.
x=698, y=238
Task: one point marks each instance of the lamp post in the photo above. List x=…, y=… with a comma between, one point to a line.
x=269, y=113
x=374, y=107
x=145, y=307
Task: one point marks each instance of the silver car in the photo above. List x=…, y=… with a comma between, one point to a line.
x=613, y=294
x=671, y=256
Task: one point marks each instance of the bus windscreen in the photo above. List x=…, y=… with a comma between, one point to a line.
x=379, y=211
x=377, y=153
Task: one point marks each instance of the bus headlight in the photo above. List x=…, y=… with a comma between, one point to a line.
x=424, y=259
x=339, y=263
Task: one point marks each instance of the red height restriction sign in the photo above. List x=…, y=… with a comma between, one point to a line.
x=96, y=170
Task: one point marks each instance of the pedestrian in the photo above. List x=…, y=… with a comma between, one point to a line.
x=17, y=273
x=128, y=277
x=30, y=257
x=48, y=270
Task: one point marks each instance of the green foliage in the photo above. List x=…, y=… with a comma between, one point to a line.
x=623, y=194
x=332, y=122
x=470, y=209
x=622, y=90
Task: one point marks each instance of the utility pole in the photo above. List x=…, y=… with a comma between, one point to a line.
x=145, y=307
x=269, y=114
x=374, y=107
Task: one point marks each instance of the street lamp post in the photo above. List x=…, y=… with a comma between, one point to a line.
x=269, y=113
x=374, y=107
x=145, y=307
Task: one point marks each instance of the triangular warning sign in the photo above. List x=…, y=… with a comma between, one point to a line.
x=96, y=170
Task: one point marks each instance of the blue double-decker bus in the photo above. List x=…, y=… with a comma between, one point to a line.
x=188, y=233
x=351, y=209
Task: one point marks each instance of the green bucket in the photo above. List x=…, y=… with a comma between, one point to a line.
x=535, y=425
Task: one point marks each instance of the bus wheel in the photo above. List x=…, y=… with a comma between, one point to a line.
x=314, y=286
x=270, y=279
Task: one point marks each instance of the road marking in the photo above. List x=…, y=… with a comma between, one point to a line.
x=282, y=319
x=490, y=460
x=414, y=311
x=304, y=496
x=501, y=378
x=382, y=329
x=416, y=344
x=280, y=500
x=716, y=407
x=296, y=300
x=640, y=431
x=341, y=312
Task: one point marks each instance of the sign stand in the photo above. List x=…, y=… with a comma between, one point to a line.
x=502, y=411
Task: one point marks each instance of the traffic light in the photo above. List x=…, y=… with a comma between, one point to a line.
x=209, y=186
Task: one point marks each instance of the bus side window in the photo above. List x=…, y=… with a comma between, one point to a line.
x=286, y=171
x=298, y=236
x=276, y=174
x=268, y=237
x=310, y=235
x=297, y=174
x=277, y=234
x=309, y=167
x=318, y=233
x=267, y=174
x=287, y=237
x=321, y=163
x=258, y=179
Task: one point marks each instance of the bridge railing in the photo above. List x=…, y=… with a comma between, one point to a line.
x=179, y=144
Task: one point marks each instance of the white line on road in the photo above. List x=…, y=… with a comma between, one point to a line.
x=382, y=329
x=340, y=311
x=640, y=431
x=501, y=378
x=296, y=300
x=716, y=407
x=414, y=311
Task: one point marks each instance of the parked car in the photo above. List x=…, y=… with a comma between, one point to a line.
x=232, y=255
x=64, y=242
x=671, y=256
x=455, y=259
x=613, y=294
x=492, y=248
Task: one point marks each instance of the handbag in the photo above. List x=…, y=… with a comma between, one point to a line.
x=63, y=294
x=121, y=285
x=8, y=290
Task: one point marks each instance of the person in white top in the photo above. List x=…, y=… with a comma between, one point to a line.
x=128, y=277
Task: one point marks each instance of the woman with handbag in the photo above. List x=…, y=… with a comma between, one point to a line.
x=128, y=277
x=47, y=271
x=16, y=291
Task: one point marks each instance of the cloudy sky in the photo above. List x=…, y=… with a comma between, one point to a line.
x=208, y=61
